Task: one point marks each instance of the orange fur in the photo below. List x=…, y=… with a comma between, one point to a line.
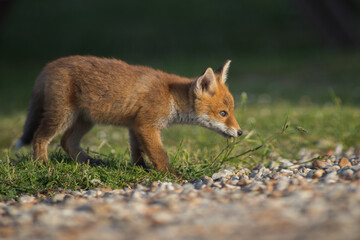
x=76, y=92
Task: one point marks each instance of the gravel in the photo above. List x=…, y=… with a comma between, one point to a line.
x=320, y=200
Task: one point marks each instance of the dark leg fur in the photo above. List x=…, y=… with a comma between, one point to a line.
x=33, y=118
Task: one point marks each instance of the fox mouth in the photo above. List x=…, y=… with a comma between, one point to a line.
x=226, y=135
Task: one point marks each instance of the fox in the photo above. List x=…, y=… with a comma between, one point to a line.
x=72, y=94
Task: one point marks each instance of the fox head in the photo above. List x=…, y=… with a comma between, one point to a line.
x=214, y=104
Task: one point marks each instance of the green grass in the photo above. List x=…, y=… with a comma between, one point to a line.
x=317, y=92
x=193, y=151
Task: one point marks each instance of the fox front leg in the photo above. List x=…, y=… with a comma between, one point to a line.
x=136, y=150
x=150, y=141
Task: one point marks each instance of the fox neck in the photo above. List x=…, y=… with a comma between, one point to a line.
x=179, y=117
x=182, y=104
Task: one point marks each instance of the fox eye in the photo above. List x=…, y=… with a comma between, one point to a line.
x=223, y=113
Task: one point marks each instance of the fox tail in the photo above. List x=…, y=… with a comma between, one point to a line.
x=33, y=118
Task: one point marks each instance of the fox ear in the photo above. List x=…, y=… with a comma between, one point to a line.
x=206, y=83
x=223, y=71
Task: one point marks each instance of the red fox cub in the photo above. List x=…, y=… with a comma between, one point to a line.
x=74, y=93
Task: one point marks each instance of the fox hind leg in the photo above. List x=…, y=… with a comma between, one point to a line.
x=50, y=125
x=71, y=139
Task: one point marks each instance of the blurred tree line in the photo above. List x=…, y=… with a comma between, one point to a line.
x=44, y=30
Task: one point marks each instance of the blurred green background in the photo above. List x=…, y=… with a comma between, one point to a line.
x=298, y=51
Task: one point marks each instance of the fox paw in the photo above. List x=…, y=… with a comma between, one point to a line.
x=93, y=161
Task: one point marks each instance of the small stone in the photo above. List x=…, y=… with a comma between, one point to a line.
x=319, y=173
x=310, y=174
x=286, y=171
x=355, y=168
x=303, y=171
x=26, y=199
x=94, y=193
x=221, y=174
x=198, y=184
x=168, y=186
x=294, y=167
x=330, y=152
x=344, y=162
x=234, y=182
x=332, y=158
x=356, y=160
x=332, y=168
x=137, y=195
x=108, y=195
x=243, y=181
x=282, y=183
x=357, y=175
x=188, y=187
x=254, y=174
x=229, y=186
x=59, y=197
x=286, y=164
x=234, y=178
x=139, y=187
x=154, y=185
x=258, y=167
x=319, y=163
x=331, y=177
x=177, y=188
x=75, y=193
x=208, y=181
x=217, y=184
x=244, y=172
x=347, y=174
x=256, y=187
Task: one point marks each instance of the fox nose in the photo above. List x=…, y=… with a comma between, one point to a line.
x=239, y=132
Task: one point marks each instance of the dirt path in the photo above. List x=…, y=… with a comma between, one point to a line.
x=310, y=201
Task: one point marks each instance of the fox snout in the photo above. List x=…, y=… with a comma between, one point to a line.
x=233, y=128
x=232, y=132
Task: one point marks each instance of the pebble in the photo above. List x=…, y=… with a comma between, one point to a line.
x=319, y=164
x=26, y=199
x=230, y=203
x=59, y=197
x=286, y=171
x=331, y=177
x=332, y=168
x=344, y=162
x=273, y=165
x=198, y=184
x=256, y=187
x=282, y=183
x=318, y=173
x=223, y=173
x=347, y=173
x=208, y=181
